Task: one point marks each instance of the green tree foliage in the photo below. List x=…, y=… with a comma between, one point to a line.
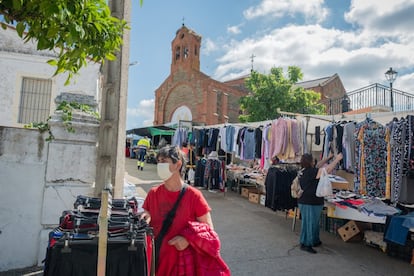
x=275, y=91
x=77, y=29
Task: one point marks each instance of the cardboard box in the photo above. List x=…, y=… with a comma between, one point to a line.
x=375, y=239
x=262, y=200
x=330, y=211
x=349, y=231
x=341, y=185
x=254, y=197
x=246, y=190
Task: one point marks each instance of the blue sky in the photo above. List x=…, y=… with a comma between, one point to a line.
x=359, y=40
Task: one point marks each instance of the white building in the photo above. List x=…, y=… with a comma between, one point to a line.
x=40, y=179
x=28, y=89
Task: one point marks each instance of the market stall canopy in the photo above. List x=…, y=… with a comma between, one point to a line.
x=152, y=131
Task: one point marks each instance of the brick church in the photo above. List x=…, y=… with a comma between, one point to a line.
x=190, y=95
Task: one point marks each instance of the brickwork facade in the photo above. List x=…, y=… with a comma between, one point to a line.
x=190, y=95
x=329, y=88
x=187, y=88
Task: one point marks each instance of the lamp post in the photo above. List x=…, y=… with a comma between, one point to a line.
x=391, y=75
x=345, y=104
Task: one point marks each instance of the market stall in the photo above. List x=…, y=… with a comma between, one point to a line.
x=377, y=171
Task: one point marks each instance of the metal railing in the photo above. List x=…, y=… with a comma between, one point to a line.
x=374, y=95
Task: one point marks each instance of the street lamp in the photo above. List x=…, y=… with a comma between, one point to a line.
x=391, y=75
x=345, y=104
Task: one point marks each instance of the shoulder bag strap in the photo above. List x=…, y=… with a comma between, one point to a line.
x=167, y=223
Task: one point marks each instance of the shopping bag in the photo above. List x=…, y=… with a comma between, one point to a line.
x=324, y=185
x=295, y=188
x=191, y=174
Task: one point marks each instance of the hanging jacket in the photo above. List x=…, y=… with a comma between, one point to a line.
x=202, y=256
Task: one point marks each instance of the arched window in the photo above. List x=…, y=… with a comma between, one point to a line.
x=177, y=53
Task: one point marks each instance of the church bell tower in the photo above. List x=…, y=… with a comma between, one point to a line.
x=185, y=50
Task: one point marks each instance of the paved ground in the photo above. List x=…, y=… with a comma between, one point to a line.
x=257, y=241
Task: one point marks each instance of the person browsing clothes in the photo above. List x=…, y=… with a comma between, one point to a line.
x=310, y=205
x=189, y=246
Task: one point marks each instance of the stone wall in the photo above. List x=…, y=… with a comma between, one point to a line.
x=39, y=180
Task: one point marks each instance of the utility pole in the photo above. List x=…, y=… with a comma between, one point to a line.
x=110, y=166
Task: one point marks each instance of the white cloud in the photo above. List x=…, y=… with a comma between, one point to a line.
x=313, y=10
x=234, y=29
x=141, y=115
x=405, y=81
x=208, y=47
x=360, y=56
x=382, y=17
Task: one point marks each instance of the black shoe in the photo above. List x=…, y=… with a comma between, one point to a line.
x=308, y=249
x=139, y=167
x=319, y=243
x=142, y=168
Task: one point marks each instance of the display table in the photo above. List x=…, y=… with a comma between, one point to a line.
x=352, y=214
x=244, y=176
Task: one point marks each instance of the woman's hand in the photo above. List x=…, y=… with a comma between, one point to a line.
x=339, y=156
x=179, y=242
x=145, y=216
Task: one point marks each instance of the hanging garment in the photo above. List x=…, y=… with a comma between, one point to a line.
x=213, y=135
x=248, y=144
x=339, y=132
x=230, y=132
x=371, y=164
x=213, y=175
x=277, y=184
x=81, y=258
x=222, y=137
x=199, y=173
x=327, y=144
x=73, y=246
x=348, y=145
x=258, y=142
x=317, y=135
x=278, y=142
x=295, y=138
x=288, y=152
x=397, y=155
x=265, y=159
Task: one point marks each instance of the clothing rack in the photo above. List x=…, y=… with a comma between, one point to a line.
x=307, y=116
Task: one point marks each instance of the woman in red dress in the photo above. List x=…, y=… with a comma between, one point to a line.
x=192, y=208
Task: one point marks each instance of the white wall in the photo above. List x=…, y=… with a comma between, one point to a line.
x=38, y=181
x=18, y=60
x=23, y=155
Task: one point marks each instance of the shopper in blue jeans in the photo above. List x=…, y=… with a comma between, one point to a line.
x=310, y=205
